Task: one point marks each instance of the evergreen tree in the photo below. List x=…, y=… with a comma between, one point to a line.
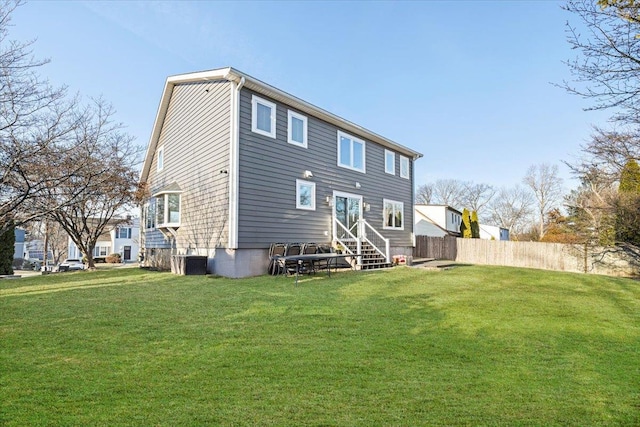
x=628, y=204
x=465, y=227
x=475, y=225
x=7, y=249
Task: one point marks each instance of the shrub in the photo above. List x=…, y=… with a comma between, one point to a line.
x=113, y=258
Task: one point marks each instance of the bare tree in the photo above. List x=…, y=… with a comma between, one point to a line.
x=103, y=178
x=477, y=197
x=457, y=194
x=591, y=208
x=546, y=184
x=57, y=239
x=608, y=152
x=34, y=126
x=424, y=194
x=608, y=70
x=512, y=209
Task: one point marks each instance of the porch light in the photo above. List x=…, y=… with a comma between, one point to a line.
x=329, y=200
x=308, y=174
x=358, y=185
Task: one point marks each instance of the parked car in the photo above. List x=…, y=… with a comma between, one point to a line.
x=71, y=264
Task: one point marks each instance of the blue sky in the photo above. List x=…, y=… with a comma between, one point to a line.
x=466, y=83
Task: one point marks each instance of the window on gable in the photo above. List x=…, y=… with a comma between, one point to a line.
x=160, y=162
x=404, y=167
x=393, y=215
x=390, y=162
x=167, y=212
x=351, y=152
x=263, y=117
x=297, y=129
x=305, y=195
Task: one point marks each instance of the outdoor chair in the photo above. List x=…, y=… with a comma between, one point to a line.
x=291, y=266
x=276, y=266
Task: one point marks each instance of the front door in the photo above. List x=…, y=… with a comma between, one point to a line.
x=127, y=253
x=347, y=211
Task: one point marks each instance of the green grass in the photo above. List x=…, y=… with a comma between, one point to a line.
x=406, y=347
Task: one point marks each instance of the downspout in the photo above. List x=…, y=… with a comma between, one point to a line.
x=234, y=149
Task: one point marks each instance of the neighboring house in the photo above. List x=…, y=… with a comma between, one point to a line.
x=234, y=165
x=123, y=239
x=19, y=249
x=442, y=220
x=437, y=221
x=492, y=232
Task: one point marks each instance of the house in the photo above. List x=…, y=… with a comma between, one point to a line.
x=121, y=238
x=443, y=220
x=492, y=232
x=234, y=165
x=19, y=248
x=437, y=220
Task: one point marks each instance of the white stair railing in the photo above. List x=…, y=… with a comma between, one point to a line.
x=375, y=239
x=365, y=232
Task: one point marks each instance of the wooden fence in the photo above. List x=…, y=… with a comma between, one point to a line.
x=435, y=247
x=615, y=261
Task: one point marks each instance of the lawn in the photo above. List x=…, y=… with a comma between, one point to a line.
x=404, y=347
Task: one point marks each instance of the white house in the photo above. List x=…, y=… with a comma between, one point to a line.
x=442, y=220
x=437, y=221
x=492, y=232
x=123, y=239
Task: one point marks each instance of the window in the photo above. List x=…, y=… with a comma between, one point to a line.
x=305, y=195
x=167, y=212
x=149, y=213
x=390, y=162
x=160, y=158
x=263, y=117
x=393, y=215
x=173, y=208
x=404, y=167
x=123, y=233
x=297, y=129
x=101, y=251
x=351, y=152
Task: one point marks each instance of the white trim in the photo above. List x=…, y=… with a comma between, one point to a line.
x=300, y=182
x=353, y=139
x=391, y=171
x=255, y=100
x=384, y=220
x=234, y=148
x=333, y=208
x=406, y=175
x=293, y=115
x=160, y=159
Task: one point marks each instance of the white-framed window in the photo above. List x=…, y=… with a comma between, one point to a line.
x=123, y=233
x=351, y=152
x=101, y=250
x=297, y=129
x=149, y=214
x=167, y=212
x=393, y=215
x=305, y=195
x=263, y=117
x=390, y=162
x=160, y=162
x=404, y=167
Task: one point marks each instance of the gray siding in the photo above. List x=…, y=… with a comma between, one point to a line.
x=195, y=136
x=268, y=171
